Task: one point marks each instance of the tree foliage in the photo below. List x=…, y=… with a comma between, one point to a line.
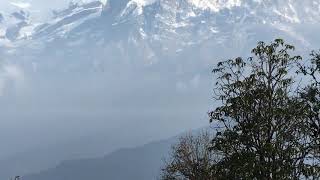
x=267, y=125
x=262, y=122
x=311, y=97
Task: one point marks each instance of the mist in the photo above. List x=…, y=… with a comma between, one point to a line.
x=83, y=80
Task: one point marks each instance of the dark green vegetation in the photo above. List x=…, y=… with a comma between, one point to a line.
x=268, y=124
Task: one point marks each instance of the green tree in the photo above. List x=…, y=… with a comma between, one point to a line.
x=311, y=97
x=267, y=125
x=261, y=121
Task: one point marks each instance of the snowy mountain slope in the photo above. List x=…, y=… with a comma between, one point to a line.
x=16, y=25
x=146, y=32
x=67, y=19
x=187, y=20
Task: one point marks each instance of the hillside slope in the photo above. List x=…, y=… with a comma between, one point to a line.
x=142, y=163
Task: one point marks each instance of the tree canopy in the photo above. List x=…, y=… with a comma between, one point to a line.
x=267, y=125
x=262, y=120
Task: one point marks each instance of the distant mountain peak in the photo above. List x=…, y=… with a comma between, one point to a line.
x=172, y=25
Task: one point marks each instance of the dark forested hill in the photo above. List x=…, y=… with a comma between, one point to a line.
x=141, y=163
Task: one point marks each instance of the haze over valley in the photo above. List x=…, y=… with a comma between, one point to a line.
x=81, y=82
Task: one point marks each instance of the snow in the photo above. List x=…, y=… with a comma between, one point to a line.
x=10, y=73
x=67, y=27
x=21, y=5
x=143, y=34
x=27, y=31
x=214, y=30
x=104, y=2
x=139, y=3
x=142, y=3
x=191, y=14
x=215, y=5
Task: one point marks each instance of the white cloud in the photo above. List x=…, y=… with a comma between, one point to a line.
x=22, y=5
x=10, y=74
x=195, y=81
x=181, y=86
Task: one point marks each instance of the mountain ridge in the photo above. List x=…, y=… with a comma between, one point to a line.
x=262, y=11
x=167, y=27
x=140, y=163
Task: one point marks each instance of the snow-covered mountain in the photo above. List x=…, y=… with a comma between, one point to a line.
x=20, y=26
x=181, y=35
x=178, y=14
x=166, y=26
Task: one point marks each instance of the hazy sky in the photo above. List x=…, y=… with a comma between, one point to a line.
x=39, y=108
x=33, y=4
x=39, y=8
